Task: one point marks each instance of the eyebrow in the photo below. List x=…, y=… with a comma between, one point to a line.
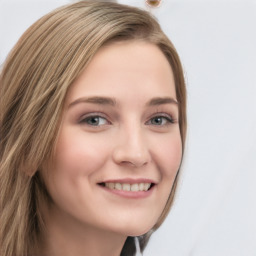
x=112, y=102
x=161, y=101
x=94, y=100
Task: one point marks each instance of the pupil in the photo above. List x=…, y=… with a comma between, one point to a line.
x=94, y=120
x=157, y=120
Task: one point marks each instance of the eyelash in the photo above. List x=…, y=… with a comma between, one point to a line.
x=89, y=117
x=168, y=119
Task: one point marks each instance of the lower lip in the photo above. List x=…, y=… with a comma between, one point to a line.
x=130, y=194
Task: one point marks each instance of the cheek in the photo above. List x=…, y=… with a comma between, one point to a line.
x=168, y=154
x=169, y=160
x=173, y=156
x=79, y=154
x=76, y=161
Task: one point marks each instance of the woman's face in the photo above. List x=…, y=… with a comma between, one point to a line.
x=119, y=146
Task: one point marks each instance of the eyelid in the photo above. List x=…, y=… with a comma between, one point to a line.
x=170, y=119
x=93, y=114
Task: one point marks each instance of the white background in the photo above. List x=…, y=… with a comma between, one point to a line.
x=215, y=209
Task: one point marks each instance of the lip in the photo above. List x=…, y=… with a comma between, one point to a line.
x=129, y=180
x=129, y=194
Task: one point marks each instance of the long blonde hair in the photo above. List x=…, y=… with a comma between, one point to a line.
x=33, y=84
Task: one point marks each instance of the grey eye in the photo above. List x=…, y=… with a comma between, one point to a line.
x=94, y=120
x=160, y=120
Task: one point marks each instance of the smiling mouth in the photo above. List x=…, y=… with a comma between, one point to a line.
x=135, y=187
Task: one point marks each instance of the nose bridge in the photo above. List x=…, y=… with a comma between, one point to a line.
x=132, y=147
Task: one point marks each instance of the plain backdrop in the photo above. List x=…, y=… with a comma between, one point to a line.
x=215, y=209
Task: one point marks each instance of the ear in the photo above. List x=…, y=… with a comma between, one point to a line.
x=30, y=173
x=29, y=169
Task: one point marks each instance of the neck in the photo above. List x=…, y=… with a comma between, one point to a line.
x=65, y=236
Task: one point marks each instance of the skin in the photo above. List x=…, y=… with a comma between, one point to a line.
x=130, y=137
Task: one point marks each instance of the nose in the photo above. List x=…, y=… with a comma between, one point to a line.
x=132, y=149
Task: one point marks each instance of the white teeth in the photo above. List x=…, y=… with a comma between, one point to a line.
x=146, y=187
x=141, y=186
x=118, y=186
x=110, y=185
x=126, y=187
x=129, y=187
x=135, y=187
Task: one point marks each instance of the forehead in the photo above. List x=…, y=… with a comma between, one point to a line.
x=126, y=66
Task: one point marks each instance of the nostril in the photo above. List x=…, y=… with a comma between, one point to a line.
x=132, y=150
x=134, y=163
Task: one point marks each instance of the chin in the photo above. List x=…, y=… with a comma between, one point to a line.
x=135, y=229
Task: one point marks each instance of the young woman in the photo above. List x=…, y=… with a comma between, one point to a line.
x=92, y=126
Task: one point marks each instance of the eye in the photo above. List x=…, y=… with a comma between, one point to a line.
x=160, y=120
x=94, y=120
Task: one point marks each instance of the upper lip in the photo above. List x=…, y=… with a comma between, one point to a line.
x=129, y=181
